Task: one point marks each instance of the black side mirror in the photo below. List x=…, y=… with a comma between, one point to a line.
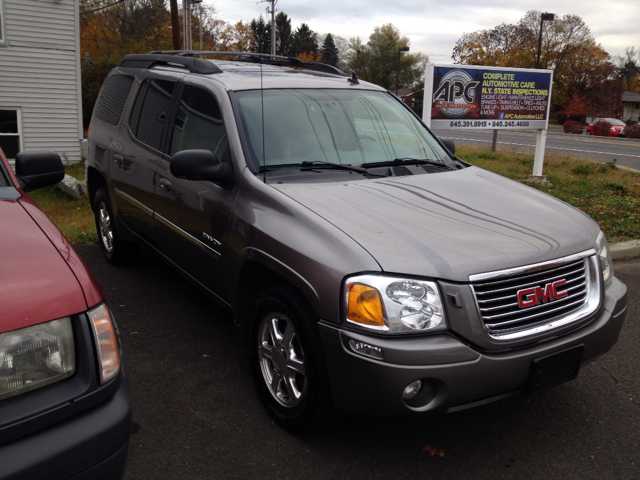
x=37, y=170
x=200, y=165
x=449, y=143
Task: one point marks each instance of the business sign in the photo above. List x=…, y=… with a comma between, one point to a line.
x=464, y=96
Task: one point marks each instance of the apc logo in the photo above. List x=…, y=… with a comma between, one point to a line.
x=455, y=94
x=529, y=297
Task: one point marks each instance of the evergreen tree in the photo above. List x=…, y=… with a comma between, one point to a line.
x=261, y=41
x=330, y=51
x=284, y=37
x=304, y=41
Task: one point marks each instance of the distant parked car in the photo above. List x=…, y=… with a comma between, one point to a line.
x=606, y=127
x=65, y=410
x=631, y=131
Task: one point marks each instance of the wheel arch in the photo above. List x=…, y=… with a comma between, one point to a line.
x=258, y=273
x=95, y=181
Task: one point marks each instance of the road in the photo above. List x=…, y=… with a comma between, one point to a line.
x=197, y=415
x=625, y=151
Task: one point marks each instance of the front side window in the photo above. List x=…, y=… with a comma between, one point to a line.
x=199, y=123
x=338, y=126
x=10, y=135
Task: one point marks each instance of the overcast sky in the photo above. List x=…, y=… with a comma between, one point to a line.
x=434, y=27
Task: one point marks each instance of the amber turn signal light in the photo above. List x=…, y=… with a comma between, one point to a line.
x=364, y=305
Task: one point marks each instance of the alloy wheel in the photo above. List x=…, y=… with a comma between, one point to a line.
x=104, y=224
x=282, y=360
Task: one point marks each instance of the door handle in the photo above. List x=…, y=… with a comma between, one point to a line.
x=118, y=159
x=165, y=184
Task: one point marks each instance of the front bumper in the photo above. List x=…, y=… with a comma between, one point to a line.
x=455, y=376
x=91, y=445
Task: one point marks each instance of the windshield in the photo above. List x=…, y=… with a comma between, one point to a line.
x=337, y=126
x=616, y=123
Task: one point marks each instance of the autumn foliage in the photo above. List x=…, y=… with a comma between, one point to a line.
x=583, y=70
x=571, y=126
x=632, y=131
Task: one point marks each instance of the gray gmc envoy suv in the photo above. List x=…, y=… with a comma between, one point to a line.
x=368, y=268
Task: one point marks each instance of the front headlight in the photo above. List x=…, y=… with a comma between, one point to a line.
x=393, y=304
x=36, y=356
x=604, y=257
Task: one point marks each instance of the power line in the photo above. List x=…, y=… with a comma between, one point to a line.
x=102, y=8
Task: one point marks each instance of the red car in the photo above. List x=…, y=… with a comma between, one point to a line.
x=606, y=127
x=65, y=410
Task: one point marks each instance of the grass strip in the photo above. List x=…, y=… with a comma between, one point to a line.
x=73, y=217
x=608, y=194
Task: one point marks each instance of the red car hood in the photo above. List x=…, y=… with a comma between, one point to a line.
x=36, y=283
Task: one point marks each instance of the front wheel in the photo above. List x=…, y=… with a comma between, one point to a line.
x=287, y=360
x=115, y=250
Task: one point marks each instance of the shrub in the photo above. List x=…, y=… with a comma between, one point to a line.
x=571, y=126
x=632, y=131
x=582, y=169
x=602, y=129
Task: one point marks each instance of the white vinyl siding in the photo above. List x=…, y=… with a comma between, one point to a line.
x=47, y=24
x=40, y=65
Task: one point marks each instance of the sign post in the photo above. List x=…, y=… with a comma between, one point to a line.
x=491, y=98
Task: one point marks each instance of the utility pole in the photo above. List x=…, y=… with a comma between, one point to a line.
x=186, y=21
x=272, y=11
x=175, y=24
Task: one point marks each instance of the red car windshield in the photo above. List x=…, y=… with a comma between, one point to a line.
x=615, y=123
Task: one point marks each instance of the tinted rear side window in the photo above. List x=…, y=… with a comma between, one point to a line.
x=114, y=96
x=153, y=113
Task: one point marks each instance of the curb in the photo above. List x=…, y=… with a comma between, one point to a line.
x=623, y=250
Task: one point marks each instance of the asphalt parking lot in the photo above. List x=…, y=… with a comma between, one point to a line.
x=197, y=414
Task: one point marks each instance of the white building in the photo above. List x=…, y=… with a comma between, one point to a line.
x=631, y=103
x=40, y=92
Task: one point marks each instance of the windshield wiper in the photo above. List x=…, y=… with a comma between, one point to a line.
x=311, y=165
x=406, y=161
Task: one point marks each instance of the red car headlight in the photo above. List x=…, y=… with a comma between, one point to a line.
x=36, y=356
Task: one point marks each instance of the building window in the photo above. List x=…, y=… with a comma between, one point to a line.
x=2, y=34
x=10, y=134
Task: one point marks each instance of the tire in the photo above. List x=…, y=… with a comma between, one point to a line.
x=287, y=361
x=588, y=132
x=115, y=250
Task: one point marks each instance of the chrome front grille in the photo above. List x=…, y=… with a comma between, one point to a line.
x=524, y=301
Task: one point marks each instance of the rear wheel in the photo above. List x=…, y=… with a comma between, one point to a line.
x=115, y=250
x=588, y=132
x=287, y=360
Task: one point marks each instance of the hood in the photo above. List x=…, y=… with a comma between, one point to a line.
x=449, y=225
x=36, y=283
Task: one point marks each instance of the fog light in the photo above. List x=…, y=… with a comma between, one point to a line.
x=411, y=390
x=366, y=349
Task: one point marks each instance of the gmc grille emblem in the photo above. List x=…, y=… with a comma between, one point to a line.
x=529, y=297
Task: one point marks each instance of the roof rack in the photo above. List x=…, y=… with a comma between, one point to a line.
x=148, y=60
x=263, y=58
